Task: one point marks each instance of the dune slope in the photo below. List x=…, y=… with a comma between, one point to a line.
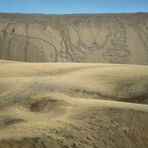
x=100, y=38
x=58, y=105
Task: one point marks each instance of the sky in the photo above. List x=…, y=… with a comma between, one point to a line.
x=73, y=6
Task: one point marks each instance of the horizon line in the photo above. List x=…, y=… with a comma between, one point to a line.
x=130, y=12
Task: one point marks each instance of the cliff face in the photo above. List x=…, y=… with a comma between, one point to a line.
x=113, y=38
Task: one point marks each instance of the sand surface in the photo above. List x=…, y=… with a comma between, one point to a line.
x=57, y=105
x=96, y=38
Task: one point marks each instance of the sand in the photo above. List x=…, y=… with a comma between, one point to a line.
x=87, y=38
x=71, y=105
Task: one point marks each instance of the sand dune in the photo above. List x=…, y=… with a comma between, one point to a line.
x=56, y=105
x=99, y=38
x=81, y=102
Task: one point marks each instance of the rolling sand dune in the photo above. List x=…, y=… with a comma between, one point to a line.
x=59, y=105
x=99, y=38
x=80, y=102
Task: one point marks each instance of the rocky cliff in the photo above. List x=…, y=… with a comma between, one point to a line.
x=111, y=38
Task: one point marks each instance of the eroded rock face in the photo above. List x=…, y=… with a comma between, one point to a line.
x=113, y=38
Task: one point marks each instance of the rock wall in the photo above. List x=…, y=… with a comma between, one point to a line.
x=105, y=38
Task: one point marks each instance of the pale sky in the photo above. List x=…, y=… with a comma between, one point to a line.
x=73, y=6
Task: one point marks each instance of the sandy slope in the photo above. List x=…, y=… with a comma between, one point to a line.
x=99, y=38
x=73, y=105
